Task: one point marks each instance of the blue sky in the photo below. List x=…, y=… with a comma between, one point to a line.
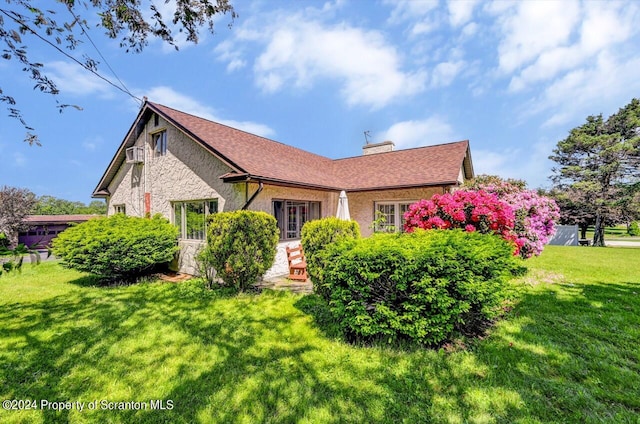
x=511, y=77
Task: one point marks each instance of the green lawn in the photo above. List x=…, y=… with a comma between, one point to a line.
x=568, y=352
x=619, y=232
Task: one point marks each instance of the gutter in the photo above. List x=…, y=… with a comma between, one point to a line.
x=253, y=197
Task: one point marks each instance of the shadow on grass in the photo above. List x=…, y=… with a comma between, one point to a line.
x=565, y=354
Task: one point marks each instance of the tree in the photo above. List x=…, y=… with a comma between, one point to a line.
x=15, y=205
x=49, y=205
x=598, y=162
x=575, y=208
x=61, y=26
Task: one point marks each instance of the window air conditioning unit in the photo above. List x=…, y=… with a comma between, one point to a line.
x=135, y=155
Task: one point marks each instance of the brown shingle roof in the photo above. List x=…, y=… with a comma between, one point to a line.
x=258, y=158
x=252, y=154
x=431, y=165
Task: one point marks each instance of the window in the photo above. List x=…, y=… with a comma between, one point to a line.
x=292, y=215
x=159, y=143
x=120, y=209
x=191, y=218
x=389, y=216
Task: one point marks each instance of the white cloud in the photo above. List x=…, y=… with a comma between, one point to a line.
x=491, y=162
x=531, y=164
x=460, y=11
x=300, y=51
x=444, y=73
x=470, y=30
x=229, y=52
x=408, y=10
x=71, y=78
x=19, y=159
x=532, y=28
x=604, y=25
x=429, y=131
x=418, y=13
x=92, y=143
x=169, y=97
x=588, y=91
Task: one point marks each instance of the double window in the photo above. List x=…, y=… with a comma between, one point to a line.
x=159, y=143
x=292, y=215
x=191, y=217
x=390, y=216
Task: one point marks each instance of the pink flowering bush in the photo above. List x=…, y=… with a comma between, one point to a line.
x=535, y=215
x=469, y=210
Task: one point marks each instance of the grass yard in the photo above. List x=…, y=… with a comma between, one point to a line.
x=569, y=352
x=619, y=232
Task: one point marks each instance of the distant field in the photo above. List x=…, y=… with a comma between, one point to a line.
x=618, y=232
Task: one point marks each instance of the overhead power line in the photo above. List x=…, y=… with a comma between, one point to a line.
x=13, y=17
x=85, y=31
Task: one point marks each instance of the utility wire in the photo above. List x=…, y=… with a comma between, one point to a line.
x=27, y=27
x=85, y=31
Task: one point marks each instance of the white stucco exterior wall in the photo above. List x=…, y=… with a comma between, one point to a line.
x=362, y=204
x=189, y=172
x=186, y=172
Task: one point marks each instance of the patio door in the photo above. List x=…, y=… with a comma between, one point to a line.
x=296, y=216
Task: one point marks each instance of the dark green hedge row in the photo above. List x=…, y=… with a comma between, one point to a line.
x=419, y=286
x=117, y=247
x=316, y=236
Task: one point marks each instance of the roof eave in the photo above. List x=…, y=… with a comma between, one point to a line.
x=101, y=189
x=102, y=194
x=404, y=186
x=236, y=178
x=197, y=139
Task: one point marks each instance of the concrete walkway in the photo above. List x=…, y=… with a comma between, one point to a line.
x=621, y=243
x=281, y=282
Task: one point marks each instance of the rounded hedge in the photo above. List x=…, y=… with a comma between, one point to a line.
x=420, y=286
x=117, y=247
x=241, y=246
x=316, y=236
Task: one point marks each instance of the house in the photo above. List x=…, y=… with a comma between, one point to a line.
x=186, y=167
x=44, y=228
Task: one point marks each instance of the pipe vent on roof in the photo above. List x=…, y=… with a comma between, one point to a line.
x=373, y=148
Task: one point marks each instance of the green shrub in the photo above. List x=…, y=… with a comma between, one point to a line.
x=419, y=286
x=241, y=246
x=316, y=236
x=634, y=229
x=4, y=242
x=117, y=247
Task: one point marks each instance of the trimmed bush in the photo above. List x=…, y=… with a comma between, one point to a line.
x=420, y=286
x=316, y=236
x=4, y=242
x=634, y=229
x=117, y=247
x=241, y=246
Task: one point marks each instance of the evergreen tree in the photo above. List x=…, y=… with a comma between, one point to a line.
x=598, y=162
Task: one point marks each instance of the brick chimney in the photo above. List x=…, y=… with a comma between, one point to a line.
x=373, y=148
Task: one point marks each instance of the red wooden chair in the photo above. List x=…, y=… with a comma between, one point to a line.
x=297, y=263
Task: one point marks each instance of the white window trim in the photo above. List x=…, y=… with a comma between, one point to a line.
x=398, y=215
x=285, y=216
x=120, y=208
x=159, y=149
x=183, y=224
